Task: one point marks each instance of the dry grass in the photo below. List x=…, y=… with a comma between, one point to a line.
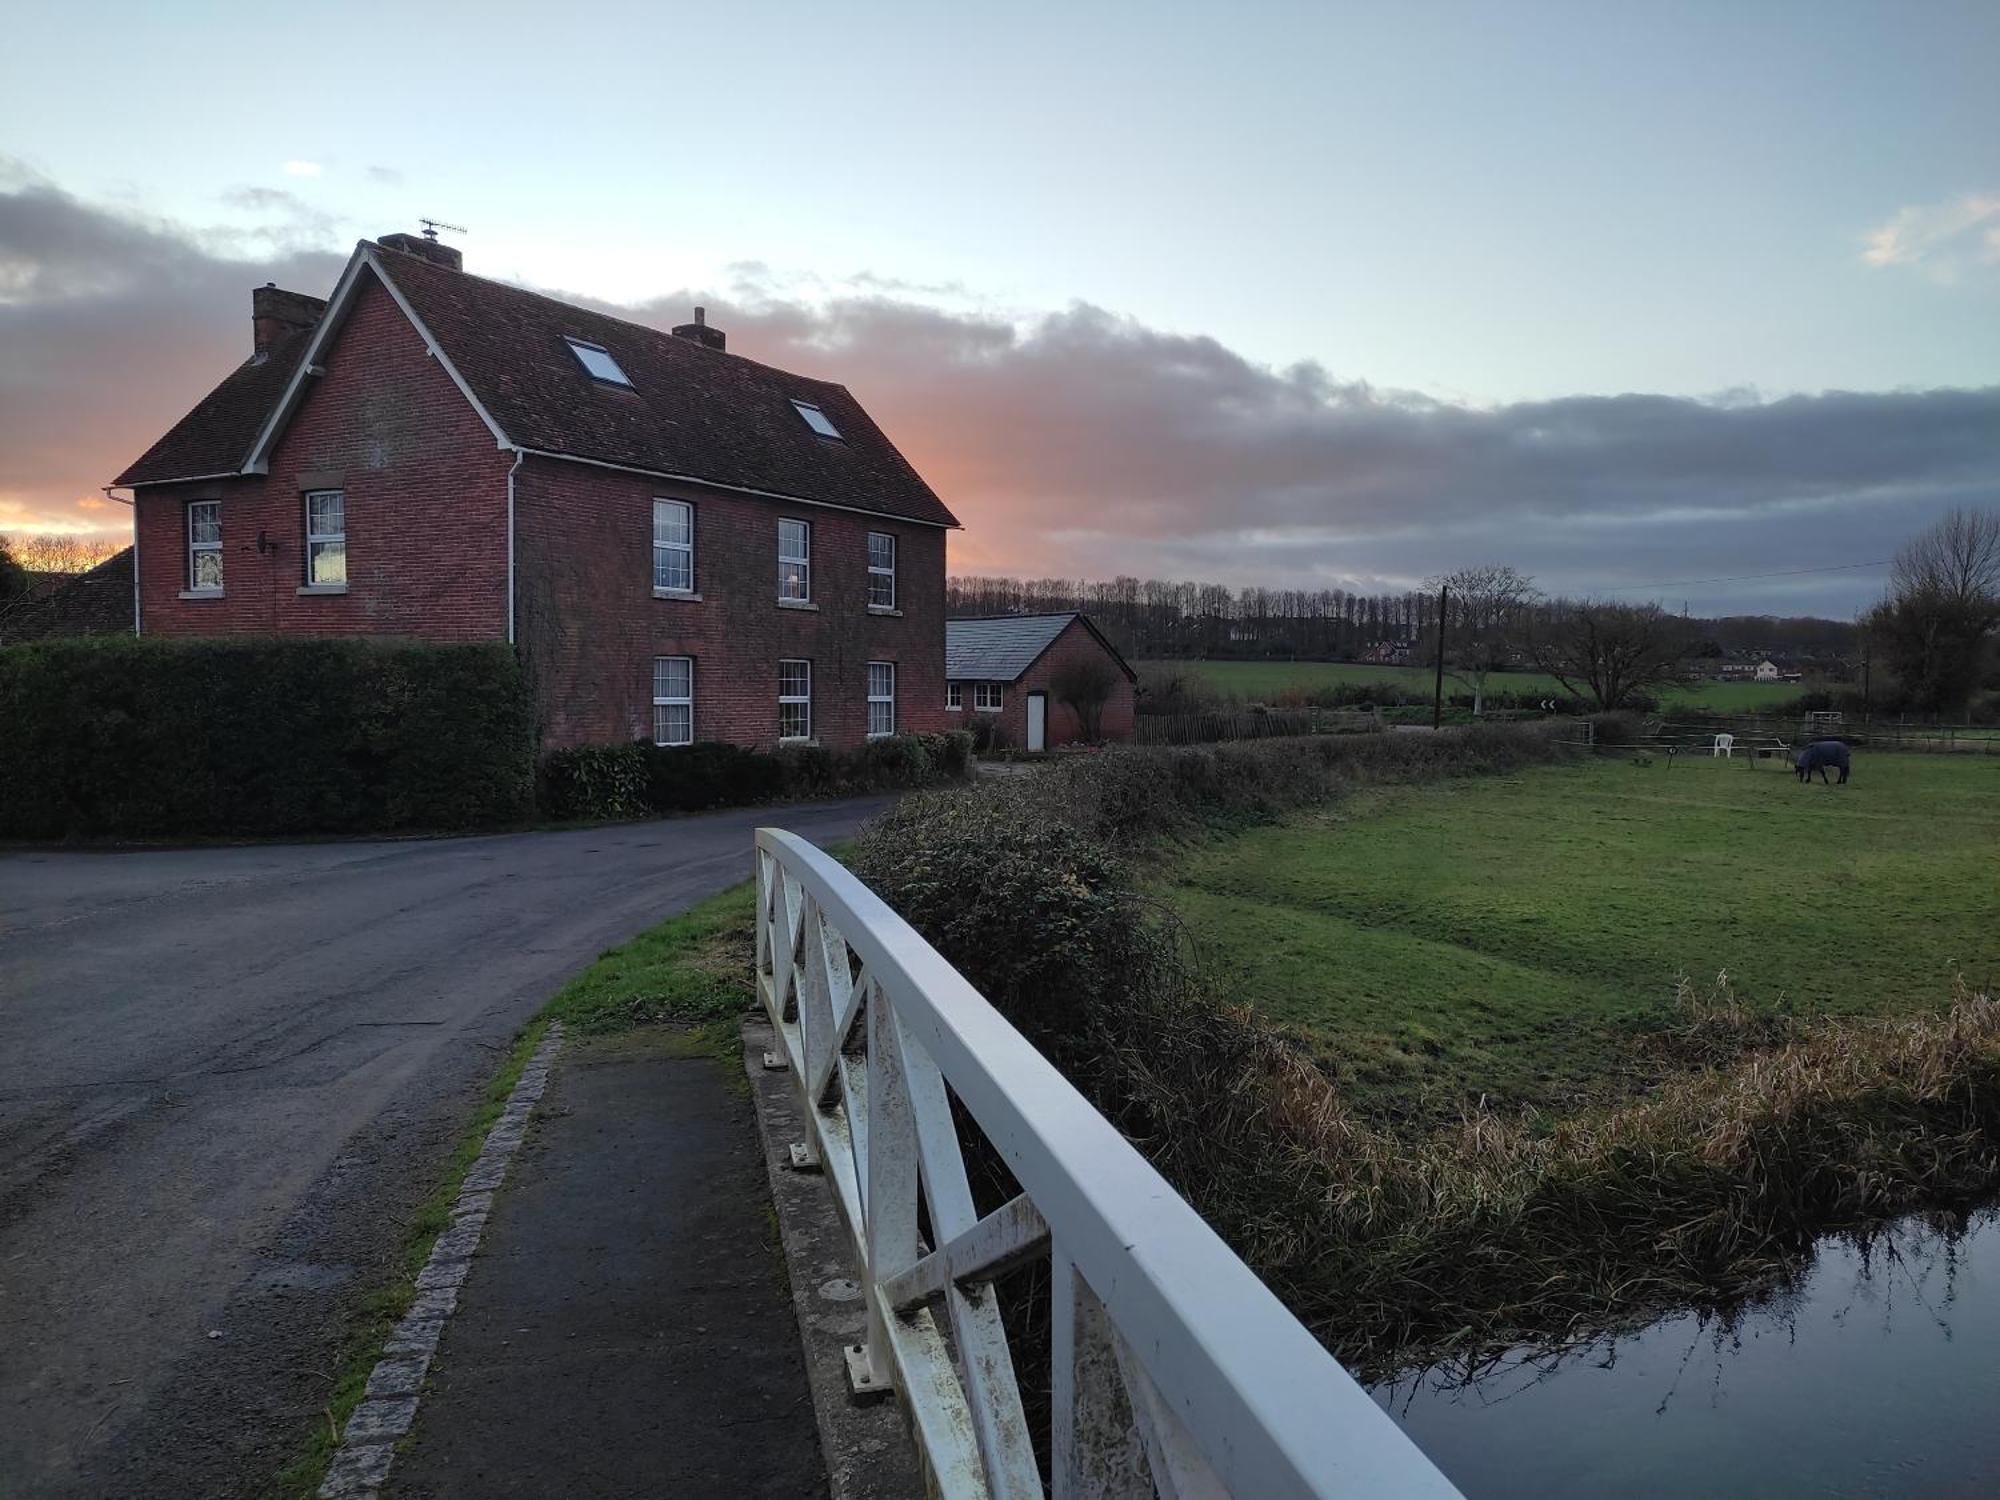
x=1505, y=1231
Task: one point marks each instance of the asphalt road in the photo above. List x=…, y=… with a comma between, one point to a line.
x=228, y=1075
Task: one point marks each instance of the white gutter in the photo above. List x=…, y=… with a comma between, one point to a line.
x=520, y=454
x=184, y=479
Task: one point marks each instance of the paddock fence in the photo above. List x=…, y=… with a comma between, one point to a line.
x=1175, y=1371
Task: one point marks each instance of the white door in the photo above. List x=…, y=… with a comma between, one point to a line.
x=1038, y=721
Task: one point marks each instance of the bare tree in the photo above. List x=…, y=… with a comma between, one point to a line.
x=62, y=552
x=1935, y=628
x=1607, y=652
x=1084, y=686
x=1957, y=560
x=1482, y=625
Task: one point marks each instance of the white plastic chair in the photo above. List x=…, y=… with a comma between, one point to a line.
x=1725, y=745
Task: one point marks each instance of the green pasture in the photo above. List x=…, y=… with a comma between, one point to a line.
x=1521, y=938
x=1261, y=681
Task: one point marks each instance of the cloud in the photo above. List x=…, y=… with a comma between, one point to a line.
x=1086, y=444
x=303, y=169
x=1943, y=239
x=111, y=327
x=387, y=176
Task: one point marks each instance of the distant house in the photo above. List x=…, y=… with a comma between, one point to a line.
x=1767, y=671
x=1003, y=671
x=681, y=544
x=97, y=602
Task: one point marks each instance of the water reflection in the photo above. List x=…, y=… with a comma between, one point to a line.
x=1875, y=1373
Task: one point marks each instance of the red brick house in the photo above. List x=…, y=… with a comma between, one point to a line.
x=1003, y=671
x=681, y=543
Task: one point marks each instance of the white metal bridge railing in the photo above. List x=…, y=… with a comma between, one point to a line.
x=1175, y=1370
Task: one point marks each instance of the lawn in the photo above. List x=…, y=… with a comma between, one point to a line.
x=1263, y=680
x=1522, y=938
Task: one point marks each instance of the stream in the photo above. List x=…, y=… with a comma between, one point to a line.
x=1875, y=1373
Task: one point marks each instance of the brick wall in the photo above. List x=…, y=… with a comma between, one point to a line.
x=426, y=507
x=1074, y=644
x=590, y=624
x=426, y=519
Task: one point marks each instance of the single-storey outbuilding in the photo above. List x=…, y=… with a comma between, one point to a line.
x=1037, y=681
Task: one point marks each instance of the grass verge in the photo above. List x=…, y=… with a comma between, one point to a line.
x=381, y=1309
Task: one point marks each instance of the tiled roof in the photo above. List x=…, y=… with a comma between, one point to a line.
x=998, y=649
x=691, y=411
x=216, y=436
x=97, y=602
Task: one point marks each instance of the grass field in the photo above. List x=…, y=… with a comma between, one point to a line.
x=1262, y=680
x=1522, y=938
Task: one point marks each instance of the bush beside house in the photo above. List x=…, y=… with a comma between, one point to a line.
x=170, y=738
x=274, y=737
x=641, y=780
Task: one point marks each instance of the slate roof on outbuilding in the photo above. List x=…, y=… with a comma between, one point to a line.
x=691, y=411
x=999, y=648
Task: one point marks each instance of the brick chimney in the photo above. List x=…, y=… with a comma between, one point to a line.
x=699, y=332
x=275, y=313
x=448, y=256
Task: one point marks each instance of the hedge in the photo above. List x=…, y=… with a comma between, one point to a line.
x=158, y=738
x=641, y=780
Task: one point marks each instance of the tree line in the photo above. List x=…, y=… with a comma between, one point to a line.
x=1156, y=618
x=1932, y=635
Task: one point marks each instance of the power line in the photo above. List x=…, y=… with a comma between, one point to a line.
x=1687, y=583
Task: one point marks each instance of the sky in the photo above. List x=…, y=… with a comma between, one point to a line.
x=1322, y=295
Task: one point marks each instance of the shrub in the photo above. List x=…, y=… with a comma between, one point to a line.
x=1043, y=919
x=644, y=780
x=1174, y=688
x=163, y=738
x=693, y=778
x=595, y=781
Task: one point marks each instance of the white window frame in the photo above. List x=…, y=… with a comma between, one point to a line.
x=877, y=573
x=195, y=548
x=802, y=561
x=317, y=540
x=672, y=700
x=579, y=347
x=817, y=419
x=954, y=697
x=876, y=698
x=989, y=697
x=785, y=699
x=667, y=550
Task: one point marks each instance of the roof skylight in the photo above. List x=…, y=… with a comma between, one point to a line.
x=817, y=420
x=597, y=360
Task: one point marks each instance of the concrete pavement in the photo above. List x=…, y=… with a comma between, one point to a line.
x=226, y=1079
x=625, y=1329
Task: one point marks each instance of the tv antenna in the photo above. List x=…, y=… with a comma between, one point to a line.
x=432, y=226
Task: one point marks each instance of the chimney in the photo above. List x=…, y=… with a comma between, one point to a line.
x=699, y=332
x=448, y=256
x=276, y=313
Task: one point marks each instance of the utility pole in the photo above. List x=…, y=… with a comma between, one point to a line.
x=1437, y=693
